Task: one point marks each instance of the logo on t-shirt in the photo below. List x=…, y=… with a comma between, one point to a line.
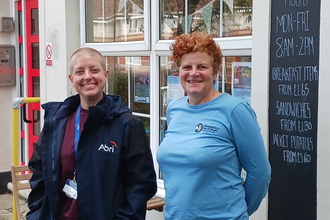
x=199, y=127
x=206, y=128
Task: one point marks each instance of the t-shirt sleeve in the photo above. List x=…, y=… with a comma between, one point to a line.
x=252, y=154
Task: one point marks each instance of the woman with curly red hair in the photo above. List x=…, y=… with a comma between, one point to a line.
x=211, y=137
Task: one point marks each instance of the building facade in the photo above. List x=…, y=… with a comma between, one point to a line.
x=134, y=36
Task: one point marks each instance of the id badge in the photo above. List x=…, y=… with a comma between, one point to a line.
x=70, y=189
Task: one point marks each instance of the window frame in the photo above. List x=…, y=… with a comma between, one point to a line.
x=117, y=46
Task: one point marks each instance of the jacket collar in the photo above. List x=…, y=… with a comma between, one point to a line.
x=110, y=106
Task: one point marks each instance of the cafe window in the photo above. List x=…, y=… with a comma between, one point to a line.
x=235, y=77
x=220, y=18
x=129, y=77
x=114, y=21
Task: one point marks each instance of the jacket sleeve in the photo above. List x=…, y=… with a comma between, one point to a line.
x=252, y=155
x=138, y=173
x=37, y=193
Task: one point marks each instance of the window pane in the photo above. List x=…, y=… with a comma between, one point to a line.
x=21, y=86
x=170, y=89
x=20, y=24
x=216, y=17
x=203, y=16
x=36, y=86
x=129, y=77
x=146, y=123
x=171, y=16
x=237, y=78
x=35, y=56
x=114, y=21
x=20, y=55
x=34, y=22
x=36, y=122
x=237, y=18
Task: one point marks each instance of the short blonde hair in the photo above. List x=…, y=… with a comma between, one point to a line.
x=89, y=51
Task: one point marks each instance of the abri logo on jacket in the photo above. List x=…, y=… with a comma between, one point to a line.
x=106, y=148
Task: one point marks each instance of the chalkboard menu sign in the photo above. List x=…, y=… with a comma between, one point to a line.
x=293, y=108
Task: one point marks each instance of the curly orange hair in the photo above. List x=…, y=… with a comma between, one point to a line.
x=195, y=42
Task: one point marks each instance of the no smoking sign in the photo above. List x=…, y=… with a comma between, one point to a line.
x=49, y=54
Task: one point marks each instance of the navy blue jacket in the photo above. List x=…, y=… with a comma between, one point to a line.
x=115, y=171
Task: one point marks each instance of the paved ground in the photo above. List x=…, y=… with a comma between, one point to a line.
x=6, y=210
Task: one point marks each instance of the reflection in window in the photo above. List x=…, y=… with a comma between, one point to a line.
x=35, y=56
x=131, y=80
x=36, y=86
x=21, y=86
x=237, y=18
x=20, y=24
x=220, y=18
x=135, y=61
x=236, y=79
x=36, y=122
x=20, y=55
x=34, y=22
x=146, y=124
x=114, y=21
x=170, y=88
x=36, y=113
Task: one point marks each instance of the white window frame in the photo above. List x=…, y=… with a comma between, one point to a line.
x=117, y=46
x=133, y=60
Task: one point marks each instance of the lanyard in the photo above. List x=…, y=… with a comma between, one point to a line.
x=77, y=132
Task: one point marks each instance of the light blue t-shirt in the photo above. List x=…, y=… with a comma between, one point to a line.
x=202, y=155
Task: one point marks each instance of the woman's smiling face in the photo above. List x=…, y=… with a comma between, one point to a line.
x=197, y=75
x=88, y=77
